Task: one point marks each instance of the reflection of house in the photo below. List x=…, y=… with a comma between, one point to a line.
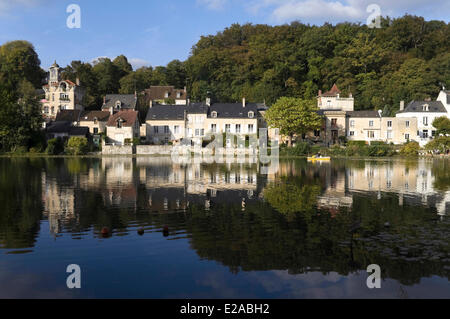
x=161, y=94
x=59, y=203
x=197, y=121
x=60, y=94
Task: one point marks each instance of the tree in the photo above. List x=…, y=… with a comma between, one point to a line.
x=442, y=125
x=440, y=144
x=77, y=146
x=123, y=66
x=293, y=116
x=107, y=75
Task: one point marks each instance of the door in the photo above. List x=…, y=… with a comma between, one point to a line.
x=119, y=139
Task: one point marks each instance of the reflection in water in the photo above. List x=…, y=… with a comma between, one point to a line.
x=306, y=219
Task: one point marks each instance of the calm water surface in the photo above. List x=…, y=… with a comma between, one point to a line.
x=224, y=230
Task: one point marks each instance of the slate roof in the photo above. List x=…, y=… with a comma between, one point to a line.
x=129, y=118
x=224, y=110
x=417, y=106
x=129, y=101
x=363, y=114
x=90, y=116
x=68, y=116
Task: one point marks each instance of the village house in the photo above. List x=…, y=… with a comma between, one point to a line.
x=95, y=120
x=164, y=94
x=123, y=127
x=425, y=112
x=371, y=126
x=196, y=121
x=60, y=95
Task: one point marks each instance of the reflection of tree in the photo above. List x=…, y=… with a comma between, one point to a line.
x=288, y=198
x=20, y=202
x=441, y=172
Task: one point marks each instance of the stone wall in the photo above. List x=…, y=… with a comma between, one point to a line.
x=154, y=150
x=117, y=150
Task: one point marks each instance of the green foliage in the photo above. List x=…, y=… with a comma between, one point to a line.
x=136, y=141
x=77, y=146
x=410, y=149
x=293, y=116
x=55, y=146
x=442, y=125
x=440, y=144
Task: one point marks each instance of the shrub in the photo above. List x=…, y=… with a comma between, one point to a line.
x=410, y=149
x=440, y=144
x=356, y=143
x=301, y=149
x=136, y=141
x=55, y=146
x=77, y=146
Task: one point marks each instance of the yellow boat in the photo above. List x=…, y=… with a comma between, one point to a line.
x=319, y=159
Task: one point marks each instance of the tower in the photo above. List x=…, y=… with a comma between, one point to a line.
x=54, y=73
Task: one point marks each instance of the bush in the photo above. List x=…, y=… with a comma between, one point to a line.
x=55, y=146
x=410, y=149
x=77, y=146
x=136, y=141
x=356, y=143
x=301, y=149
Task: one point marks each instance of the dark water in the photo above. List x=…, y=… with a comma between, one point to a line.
x=224, y=231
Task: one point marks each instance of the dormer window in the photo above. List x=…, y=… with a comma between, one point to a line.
x=166, y=95
x=118, y=105
x=178, y=95
x=95, y=120
x=426, y=107
x=119, y=123
x=251, y=114
x=214, y=114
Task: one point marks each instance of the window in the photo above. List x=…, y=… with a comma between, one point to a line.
x=214, y=114
x=333, y=122
x=197, y=132
x=178, y=95
x=425, y=134
x=46, y=110
x=389, y=134
x=227, y=128
x=119, y=123
x=250, y=128
x=426, y=107
x=407, y=137
x=118, y=105
x=166, y=95
x=155, y=129
x=371, y=123
x=214, y=128
x=238, y=128
x=95, y=130
x=433, y=133
x=352, y=123
x=166, y=130
x=407, y=123
x=251, y=114
x=53, y=97
x=389, y=124
x=176, y=129
x=370, y=134
x=317, y=133
x=351, y=133
x=425, y=121
x=329, y=103
x=53, y=110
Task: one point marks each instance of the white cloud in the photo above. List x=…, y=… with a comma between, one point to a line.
x=212, y=4
x=319, y=11
x=138, y=63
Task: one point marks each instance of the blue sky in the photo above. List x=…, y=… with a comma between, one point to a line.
x=154, y=32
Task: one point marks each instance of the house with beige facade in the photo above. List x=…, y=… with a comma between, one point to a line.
x=60, y=95
x=371, y=126
x=123, y=127
x=94, y=120
x=199, y=121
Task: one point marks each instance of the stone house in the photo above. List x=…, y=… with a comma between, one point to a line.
x=123, y=127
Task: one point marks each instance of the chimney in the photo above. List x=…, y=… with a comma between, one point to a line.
x=104, y=100
x=320, y=92
x=208, y=101
x=188, y=101
x=111, y=110
x=402, y=105
x=350, y=95
x=185, y=89
x=243, y=102
x=78, y=81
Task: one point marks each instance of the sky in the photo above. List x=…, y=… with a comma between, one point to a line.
x=155, y=32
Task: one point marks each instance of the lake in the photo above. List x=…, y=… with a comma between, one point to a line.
x=150, y=228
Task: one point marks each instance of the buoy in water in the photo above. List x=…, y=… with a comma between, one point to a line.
x=141, y=231
x=105, y=232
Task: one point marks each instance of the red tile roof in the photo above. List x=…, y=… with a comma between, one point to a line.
x=333, y=92
x=129, y=118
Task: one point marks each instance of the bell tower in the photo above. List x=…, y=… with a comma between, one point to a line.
x=54, y=73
